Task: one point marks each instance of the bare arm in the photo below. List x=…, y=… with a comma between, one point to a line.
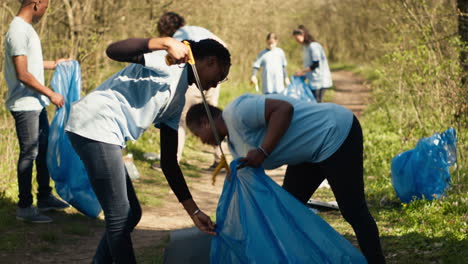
x=24, y=76
x=51, y=65
x=278, y=115
x=312, y=67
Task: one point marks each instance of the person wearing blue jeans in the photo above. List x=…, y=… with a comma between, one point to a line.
x=146, y=92
x=26, y=100
x=114, y=189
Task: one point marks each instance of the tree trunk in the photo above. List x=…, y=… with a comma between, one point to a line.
x=463, y=31
x=72, y=28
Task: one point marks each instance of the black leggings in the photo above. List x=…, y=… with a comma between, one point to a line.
x=344, y=172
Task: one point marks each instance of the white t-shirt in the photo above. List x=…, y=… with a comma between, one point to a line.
x=273, y=62
x=127, y=103
x=321, y=76
x=22, y=40
x=316, y=131
x=192, y=33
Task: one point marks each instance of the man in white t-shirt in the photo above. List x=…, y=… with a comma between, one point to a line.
x=173, y=25
x=26, y=100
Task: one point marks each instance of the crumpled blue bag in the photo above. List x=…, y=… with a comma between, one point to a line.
x=299, y=89
x=424, y=170
x=257, y=221
x=65, y=166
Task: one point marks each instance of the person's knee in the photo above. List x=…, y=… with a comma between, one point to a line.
x=298, y=194
x=29, y=151
x=355, y=213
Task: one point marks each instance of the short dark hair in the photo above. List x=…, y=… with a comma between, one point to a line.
x=169, y=23
x=196, y=115
x=210, y=47
x=302, y=30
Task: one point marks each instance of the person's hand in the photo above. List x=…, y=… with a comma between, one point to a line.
x=254, y=158
x=57, y=61
x=56, y=99
x=204, y=223
x=299, y=73
x=286, y=81
x=254, y=80
x=177, y=50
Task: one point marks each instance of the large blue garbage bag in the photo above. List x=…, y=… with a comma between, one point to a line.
x=424, y=170
x=65, y=166
x=299, y=89
x=260, y=222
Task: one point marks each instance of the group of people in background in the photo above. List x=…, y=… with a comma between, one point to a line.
x=273, y=61
x=262, y=129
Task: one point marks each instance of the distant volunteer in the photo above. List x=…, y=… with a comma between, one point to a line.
x=273, y=62
x=316, y=67
x=143, y=93
x=316, y=141
x=171, y=24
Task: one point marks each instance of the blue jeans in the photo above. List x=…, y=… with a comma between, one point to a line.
x=114, y=190
x=32, y=129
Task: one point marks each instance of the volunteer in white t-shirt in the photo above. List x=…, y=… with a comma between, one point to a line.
x=171, y=24
x=26, y=100
x=315, y=63
x=144, y=93
x=273, y=61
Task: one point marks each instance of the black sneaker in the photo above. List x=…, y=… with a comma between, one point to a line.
x=31, y=214
x=51, y=203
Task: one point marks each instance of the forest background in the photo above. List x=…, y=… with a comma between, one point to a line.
x=410, y=52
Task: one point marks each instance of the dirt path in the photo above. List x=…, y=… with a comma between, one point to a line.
x=156, y=223
x=350, y=92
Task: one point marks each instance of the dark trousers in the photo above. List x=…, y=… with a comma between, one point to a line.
x=318, y=94
x=344, y=172
x=114, y=190
x=32, y=129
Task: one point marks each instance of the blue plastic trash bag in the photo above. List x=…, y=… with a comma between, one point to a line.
x=424, y=170
x=299, y=89
x=65, y=166
x=260, y=222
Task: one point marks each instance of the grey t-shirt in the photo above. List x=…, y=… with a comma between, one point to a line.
x=22, y=40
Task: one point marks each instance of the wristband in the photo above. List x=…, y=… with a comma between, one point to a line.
x=263, y=151
x=196, y=212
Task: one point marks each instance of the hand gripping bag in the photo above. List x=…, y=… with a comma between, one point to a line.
x=65, y=166
x=260, y=222
x=424, y=170
x=299, y=89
